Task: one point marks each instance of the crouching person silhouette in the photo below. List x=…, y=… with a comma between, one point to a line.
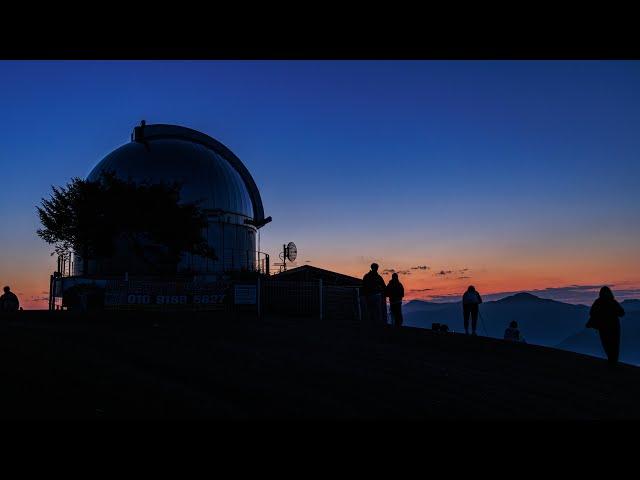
x=470, y=301
x=395, y=292
x=512, y=333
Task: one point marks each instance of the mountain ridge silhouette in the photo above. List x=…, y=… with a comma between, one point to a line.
x=542, y=321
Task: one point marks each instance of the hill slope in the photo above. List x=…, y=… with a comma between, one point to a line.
x=200, y=366
x=541, y=321
x=587, y=340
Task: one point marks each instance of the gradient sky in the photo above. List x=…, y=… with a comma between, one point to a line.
x=508, y=175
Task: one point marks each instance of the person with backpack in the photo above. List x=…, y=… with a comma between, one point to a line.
x=9, y=301
x=470, y=301
x=395, y=292
x=604, y=317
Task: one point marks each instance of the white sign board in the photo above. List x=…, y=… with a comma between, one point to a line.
x=245, y=295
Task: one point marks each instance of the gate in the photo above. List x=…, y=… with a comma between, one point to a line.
x=310, y=299
x=291, y=298
x=341, y=303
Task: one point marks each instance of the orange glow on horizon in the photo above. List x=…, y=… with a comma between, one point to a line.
x=33, y=289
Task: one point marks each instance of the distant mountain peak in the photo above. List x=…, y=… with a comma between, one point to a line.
x=631, y=305
x=519, y=297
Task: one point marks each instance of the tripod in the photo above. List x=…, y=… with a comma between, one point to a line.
x=482, y=323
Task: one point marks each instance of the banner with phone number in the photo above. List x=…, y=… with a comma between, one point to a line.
x=169, y=295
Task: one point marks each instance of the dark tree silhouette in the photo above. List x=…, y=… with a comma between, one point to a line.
x=89, y=218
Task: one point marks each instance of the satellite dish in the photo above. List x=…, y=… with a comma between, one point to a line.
x=292, y=252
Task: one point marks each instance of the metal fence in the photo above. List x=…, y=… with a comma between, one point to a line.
x=311, y=299
x=290, y=298
x=341, y=303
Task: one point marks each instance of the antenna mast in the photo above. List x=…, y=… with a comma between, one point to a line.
x=289, y=252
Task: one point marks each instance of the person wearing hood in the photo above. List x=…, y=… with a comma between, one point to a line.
x=395, y=292
x=470, y=301
x=604, y=317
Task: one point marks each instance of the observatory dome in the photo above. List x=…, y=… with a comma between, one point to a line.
x=209, y=173
x=167, y=153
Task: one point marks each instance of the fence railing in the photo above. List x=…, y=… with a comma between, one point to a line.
x=310, y=299
x=341, y=303
x=230, y=259
x=292, y=298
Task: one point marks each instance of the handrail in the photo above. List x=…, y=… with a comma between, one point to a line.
x=231, y=258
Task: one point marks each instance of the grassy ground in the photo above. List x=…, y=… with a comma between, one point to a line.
x=130, y=365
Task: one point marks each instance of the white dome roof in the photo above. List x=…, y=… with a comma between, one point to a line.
x=203, y=174
x=207, y=171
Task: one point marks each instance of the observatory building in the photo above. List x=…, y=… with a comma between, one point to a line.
x=209, y=173
x=234, y=281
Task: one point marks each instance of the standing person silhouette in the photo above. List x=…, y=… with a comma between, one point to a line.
x=604, y=317
x=470, y=301
x=373, y=290
x=9, y=301
x=395, y=292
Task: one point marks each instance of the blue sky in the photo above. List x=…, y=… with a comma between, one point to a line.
x=524, y=172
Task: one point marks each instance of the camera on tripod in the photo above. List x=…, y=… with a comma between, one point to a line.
x=439, y=327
